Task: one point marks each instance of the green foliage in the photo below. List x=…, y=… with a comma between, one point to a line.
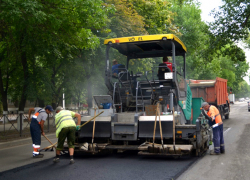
x=125, y=21
x=247, y=42
x=194, y=34
x=193, y=30
x=232, y=21
x=42, y=36
x=243, y=90
x=46, y=47
x=157, y=16
x=208, y=57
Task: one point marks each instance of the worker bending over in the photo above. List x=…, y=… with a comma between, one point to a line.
x=66, y=128
x=36, y=127
x=217, y=124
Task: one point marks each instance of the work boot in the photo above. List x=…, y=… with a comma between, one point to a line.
x=71, y=161
x=213, y=153
x=38, y=155
x=56, y=160
x=222, y=151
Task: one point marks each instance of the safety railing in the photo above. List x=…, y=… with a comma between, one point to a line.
x=123, y=77
x=125, y=80
x=116, y=87
x=14, y=126
x=138, y=86
x=8, y=124
x=146, y=75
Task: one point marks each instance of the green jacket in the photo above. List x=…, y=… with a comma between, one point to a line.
x=64, y=119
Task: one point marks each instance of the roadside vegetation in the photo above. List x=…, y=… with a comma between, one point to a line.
x=55, y=46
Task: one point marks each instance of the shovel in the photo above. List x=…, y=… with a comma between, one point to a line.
x=48, y=148
x=53, y=145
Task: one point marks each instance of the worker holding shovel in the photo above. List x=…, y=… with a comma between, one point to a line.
x=36, y=127
x=217, y=125
x=66, y=128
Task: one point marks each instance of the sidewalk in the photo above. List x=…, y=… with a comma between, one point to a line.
x=18, y=153
x=10, y=131
x=23, y=141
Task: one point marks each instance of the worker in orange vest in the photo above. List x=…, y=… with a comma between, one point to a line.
x=37, y=127
x=217, y=124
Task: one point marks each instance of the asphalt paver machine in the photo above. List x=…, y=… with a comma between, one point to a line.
x=149, y=112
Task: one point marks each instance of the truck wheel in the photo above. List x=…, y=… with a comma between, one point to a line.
x=221, y=112
x=227, y=116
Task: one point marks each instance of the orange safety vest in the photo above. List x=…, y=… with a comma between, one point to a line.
x=36, y=115
x=213, y=111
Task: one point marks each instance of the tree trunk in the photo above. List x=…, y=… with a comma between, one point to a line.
x=56, y=92
x=53, y=105
x=23, y=99
x=4, y=100
x=40, y=103
x=3, y=92
x=25, y=84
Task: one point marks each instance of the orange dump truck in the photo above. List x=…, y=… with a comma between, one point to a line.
x=214, y=92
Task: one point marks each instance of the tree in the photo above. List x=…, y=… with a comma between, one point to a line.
x=247, y=42
x=157, y=16
x=7, y=70
x=125, y=21
x=243, y=90
x=193, y=33
x=232, y=21
x=37, y=30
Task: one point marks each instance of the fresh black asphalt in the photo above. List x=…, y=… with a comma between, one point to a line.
x=124, y=166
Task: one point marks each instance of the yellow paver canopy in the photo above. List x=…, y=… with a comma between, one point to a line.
x=147, y=45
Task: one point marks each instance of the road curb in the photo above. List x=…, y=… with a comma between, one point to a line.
x=19, y=142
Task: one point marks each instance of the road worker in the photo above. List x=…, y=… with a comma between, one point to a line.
x=166, y=61
x=164, y=67
x=66, y=128
x=217, y=124
x=116, y=68
x=36, y=127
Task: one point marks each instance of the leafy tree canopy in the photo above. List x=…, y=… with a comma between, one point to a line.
x=232, y=21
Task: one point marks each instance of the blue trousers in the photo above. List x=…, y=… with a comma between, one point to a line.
x=35, y=131
x=218, y=139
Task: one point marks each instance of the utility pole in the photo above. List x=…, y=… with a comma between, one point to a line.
x=63, y=100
